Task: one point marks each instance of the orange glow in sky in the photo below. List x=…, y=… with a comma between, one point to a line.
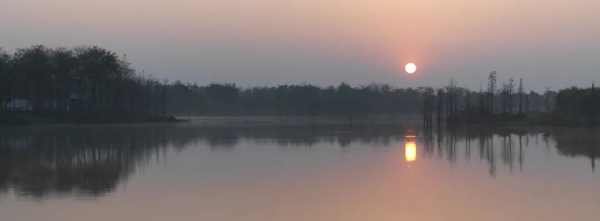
x=323, y=41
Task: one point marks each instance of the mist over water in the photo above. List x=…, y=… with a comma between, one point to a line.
x=275, y=172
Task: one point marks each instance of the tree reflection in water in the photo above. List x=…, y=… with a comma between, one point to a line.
x=506, y=145
x=91, y=161
x=578, y=142
x=491, y=144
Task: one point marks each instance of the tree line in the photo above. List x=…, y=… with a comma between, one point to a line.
x=291, y=100
x=345, y=100
x=579, y=106
x=84, y=79
x=492, y=105
x=509, y=103
x=92, y=81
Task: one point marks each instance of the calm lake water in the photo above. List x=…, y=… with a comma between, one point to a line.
x=303, y=173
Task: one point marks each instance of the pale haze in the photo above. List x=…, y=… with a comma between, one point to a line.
x=548, y=43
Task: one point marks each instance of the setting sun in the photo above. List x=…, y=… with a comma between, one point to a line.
x=410, y=68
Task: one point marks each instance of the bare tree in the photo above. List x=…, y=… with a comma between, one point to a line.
x=440, y=104
x=521, y=96
x=504, y=95
x=491, y=90
x=511, y=86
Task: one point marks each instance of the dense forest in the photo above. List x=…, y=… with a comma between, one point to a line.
x=86, y=82
x=89, y=83
x=578, y=106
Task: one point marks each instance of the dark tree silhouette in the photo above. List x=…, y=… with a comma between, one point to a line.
x=86, y=83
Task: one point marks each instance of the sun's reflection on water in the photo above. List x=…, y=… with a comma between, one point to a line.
x=410, y=149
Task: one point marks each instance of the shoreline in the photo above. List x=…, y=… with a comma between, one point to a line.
x=12, y=119
x=35, y=120
x=300, y=120
x=28, y=119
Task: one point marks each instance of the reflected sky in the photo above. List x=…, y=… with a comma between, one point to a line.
x=188, y=172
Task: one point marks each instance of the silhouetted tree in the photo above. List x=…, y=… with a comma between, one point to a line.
x=491, y=91
x=84, y=83
x=5, y=76
x=32, y=66
x=521, y=90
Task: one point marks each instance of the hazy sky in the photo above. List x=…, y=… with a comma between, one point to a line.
x=267, y=42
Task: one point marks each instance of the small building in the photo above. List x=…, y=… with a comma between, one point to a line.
x=49, y=105
x=18, y=105
x=76, y=102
